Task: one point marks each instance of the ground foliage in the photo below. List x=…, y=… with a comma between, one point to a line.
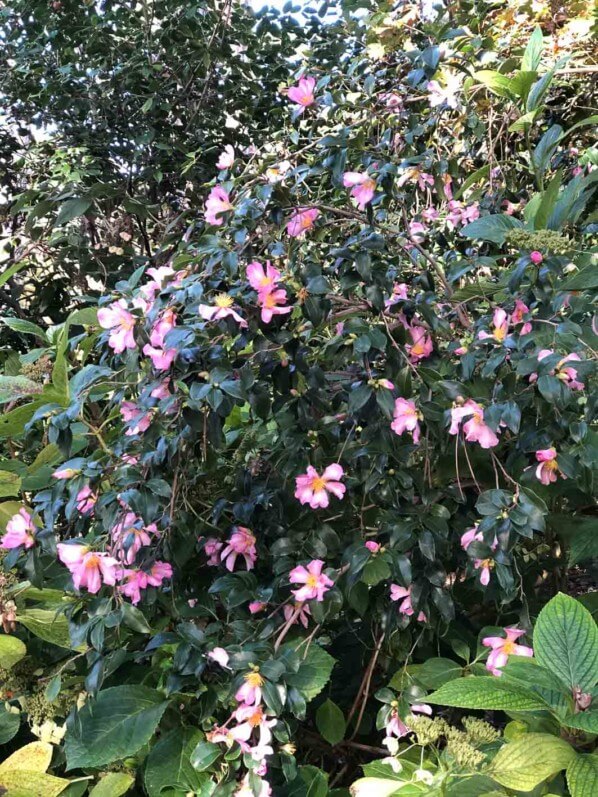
x=239, y=248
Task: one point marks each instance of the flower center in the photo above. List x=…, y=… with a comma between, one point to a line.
x=223, y=300
x=551, y=464
x=91, y=562
x=256, y=718
x=508, y=647
x=318, y=484
x=417, y=348
x=254, y=679
x=311, y=581
x=489, y=563
x=270, y=300
x=500, y=333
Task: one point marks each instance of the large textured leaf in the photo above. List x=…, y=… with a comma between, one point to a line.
x=12, y=650
x=115, y=725
x=584, y=721
x=24, y=783
x=10, y=483
x=582, y=776
x=313, y=674
x=47, y=625
x=16, y=387
x=34, y=757
x=526, y=762
x=566, y=642
x=488, y=693
x=169, y=763
x=114, y=784
x=25, y=327
x=491, y=228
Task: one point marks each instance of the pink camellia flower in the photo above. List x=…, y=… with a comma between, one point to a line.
x=517, y=317
x=86, y=500
x=303, y=93
x=401, y=593
x=300, y=611
x=131, y=412
x=503, y=647
x=226, y=159
x=161, y=359
x=71, y=555
x=162, y=327
x=565, y=373
x=262, y=279
x=158, y=572
x=547, y=470
x=163, y=390
x=469, y=536
x=65, y=473
x=301, y=221
x=217, y=203
x=220, y=656
x=222, y=308
x=121, y=323
x=133, y=581
x=415, y=175
x=136, y=580
x=373, y=547
x=399, y=293
x=129, y=535
x=313, y=489
x=241, y=542
x=212, y=548
x=362, y=187
x=536, y=257
x=501, y=321
x=316, y=583
x=422, y=345
x=417, y=231
x=273, y=302
x=20, y=530
x=250, y=692
x=486, y=566
x=89, y=569
x=395, y=727
x=253, y=718
x=277, y=172
x=475, y=430
x=255, y=607
x=406, y=418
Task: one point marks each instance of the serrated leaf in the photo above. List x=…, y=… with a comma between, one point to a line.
x=492, y=228
x=313, y=673
x=582, y=776
x=71, y=209
x=488, y=693
x=169, y=763
x=566, y=642
x=584, y=721
x=331, y=723
x=436, y=672
x=526, y=762
x=203, y=756
x=113, y=726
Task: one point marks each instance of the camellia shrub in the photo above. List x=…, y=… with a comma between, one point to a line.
x=329, y=451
